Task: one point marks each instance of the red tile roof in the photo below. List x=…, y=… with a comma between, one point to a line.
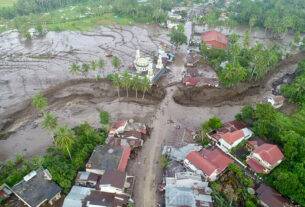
x=255, y=166
x=218, y=158
x=269, y=153
x=209, y=160
x=200, y=163
x=215, y=39
x=230, y=131
x=124, y=159
x=231, y=137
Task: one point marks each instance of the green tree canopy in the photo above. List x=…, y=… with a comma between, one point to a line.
x=177, y=36
x=39, y=102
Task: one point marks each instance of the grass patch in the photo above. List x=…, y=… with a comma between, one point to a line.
x=73, y=18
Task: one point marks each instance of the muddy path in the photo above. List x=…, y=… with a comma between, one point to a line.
x=245, y=93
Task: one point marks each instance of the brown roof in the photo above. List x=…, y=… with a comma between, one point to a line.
x=113, y=178
x=269, y=153
x=270, y=197
x=211, y=37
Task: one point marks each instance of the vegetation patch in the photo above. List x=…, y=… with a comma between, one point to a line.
x=288, y=133
x=232, y=189
x=240, y=63
x=7, y=3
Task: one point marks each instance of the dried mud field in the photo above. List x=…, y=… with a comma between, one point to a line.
x=27, y=68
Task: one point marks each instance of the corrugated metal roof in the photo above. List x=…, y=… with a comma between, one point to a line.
x=76, y=196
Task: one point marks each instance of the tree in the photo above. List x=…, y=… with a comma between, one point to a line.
x=39, y=102
x=74, y=68
x=93, y=65
x=101, y=64
x=246, y=40
x=39, y=29
x=85, y=69
x=145, y=86
x=246, y=115
x=117, y=82
x=136, y=84
x=64, y=139
x=49, y=121
x=252, y=22
x=116, y=62
x=104, y=118
x=28, y=36
x=177, y=36
x=164, y=162
x=127, y=82
x=231, y=75
x=214, y=123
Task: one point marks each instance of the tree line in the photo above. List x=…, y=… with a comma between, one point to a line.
x=25, y=7
x=129, y=82
x=276, y=16
x=93, y=65
x=151, y=10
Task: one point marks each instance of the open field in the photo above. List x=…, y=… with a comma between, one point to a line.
x=80, y=18
x=4, y=3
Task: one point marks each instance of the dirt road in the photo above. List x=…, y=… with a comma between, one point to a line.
x=167, y=118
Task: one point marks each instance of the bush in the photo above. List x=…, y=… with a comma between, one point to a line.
x=104, y=118
x=212, y=124
x=14, y=171
x=164, y=162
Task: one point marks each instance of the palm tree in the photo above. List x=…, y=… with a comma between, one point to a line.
x=252, y=22
x=85, y=69
x=145, y=85
x=93, y=65
x=127, y=80
x=49, y=121
x=116, y=80
x=101, y=63
x=136, y=83
x=65, y=138
x=74, y=68
x=39, y=102
x=116, y=62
